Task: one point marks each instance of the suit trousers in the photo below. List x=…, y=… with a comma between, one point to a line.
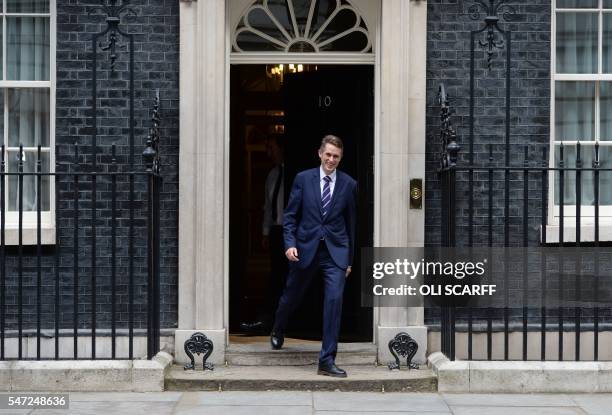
x=298, y=282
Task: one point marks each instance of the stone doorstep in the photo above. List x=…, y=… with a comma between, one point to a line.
x=297, y=353
x=85, y=375
x=263, y=378
x=520, y=376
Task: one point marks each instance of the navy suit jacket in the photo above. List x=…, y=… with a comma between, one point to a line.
x=304, y=226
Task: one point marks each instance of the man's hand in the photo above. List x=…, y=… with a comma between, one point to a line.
x=348, y=271
x=292, y=254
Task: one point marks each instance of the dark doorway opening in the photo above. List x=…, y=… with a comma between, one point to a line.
x=301, y=105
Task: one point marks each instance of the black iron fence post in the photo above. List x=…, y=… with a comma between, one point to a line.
x=2, y=251
x=448, y=162
x=153, y=168
x=596, y=165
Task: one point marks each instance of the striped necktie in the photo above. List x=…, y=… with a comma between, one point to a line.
x=325, y=196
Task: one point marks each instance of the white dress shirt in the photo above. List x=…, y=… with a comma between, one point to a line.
x=332, y=184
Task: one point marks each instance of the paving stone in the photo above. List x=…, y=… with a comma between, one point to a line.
x=514, y=410
x=380, y=413
x=247, y=398
x=125, y=396
x=243, y=410
x=414, y=402
x=594, y=404
x=113, y=408
x=476, y=399
x=330, y=403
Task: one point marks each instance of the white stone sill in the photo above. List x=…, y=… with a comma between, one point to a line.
x=85, y=375
x=587, y=233
x=520, y=376
x=28, y=235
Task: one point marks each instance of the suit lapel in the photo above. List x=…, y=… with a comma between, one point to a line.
x=316, y=187
x=337, y=190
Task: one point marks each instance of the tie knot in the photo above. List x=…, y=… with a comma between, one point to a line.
x=327, y=179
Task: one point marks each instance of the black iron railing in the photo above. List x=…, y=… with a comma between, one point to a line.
x=91, y=273
x=494, y=205
x=63, y=300
x=505, y=199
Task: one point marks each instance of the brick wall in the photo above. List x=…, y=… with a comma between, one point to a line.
x=155, y=30
x=448, y=62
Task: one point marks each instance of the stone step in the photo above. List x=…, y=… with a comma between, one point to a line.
x=297, y=352
x=303, y=378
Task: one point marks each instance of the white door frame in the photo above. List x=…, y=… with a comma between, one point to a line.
x=399, y=150
x=371, y=13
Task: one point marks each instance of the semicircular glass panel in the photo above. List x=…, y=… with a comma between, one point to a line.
x=301, y=26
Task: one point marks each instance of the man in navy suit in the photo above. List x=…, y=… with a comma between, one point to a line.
x=319, y=233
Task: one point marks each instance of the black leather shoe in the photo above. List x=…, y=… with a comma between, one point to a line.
x=276, y=340
x=331, y=370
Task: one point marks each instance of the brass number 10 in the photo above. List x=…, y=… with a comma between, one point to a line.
x=325, y=101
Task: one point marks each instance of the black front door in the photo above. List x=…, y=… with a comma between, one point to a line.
x=339, y=101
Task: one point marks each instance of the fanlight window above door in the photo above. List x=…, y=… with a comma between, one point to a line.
x=301, y=26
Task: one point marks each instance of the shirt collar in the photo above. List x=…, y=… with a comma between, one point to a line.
x=322, y=174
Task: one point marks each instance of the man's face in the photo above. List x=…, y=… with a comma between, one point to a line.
x=330, y=156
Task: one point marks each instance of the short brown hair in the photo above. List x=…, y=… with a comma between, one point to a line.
x=333, y=140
